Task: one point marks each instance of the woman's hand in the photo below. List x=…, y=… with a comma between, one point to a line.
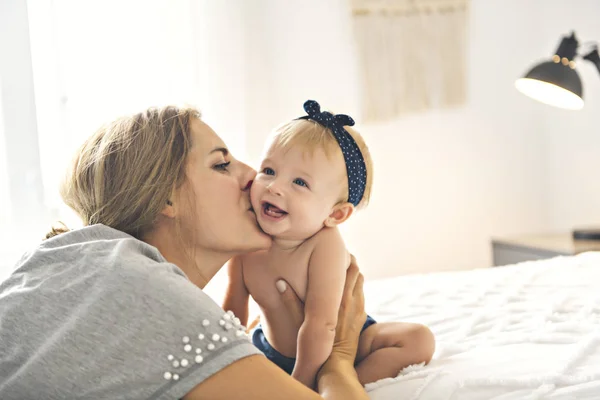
x=337, y=378
x=253, y=324
x=292, y=302
x=351, y=315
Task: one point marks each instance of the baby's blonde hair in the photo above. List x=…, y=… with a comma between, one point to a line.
x=311, y=135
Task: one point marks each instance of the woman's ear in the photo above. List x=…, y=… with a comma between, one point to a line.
x=340, y=213
x=169, y=210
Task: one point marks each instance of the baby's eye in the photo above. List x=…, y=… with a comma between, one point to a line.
x=268, y=171
x=300, y=182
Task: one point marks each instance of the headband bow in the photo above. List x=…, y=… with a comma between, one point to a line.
x=355, y=163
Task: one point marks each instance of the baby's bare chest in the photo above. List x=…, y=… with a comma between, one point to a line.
x=262, y=270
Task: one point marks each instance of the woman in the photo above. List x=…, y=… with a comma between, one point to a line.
x=115, y=310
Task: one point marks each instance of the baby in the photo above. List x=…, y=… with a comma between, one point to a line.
x=314, y=175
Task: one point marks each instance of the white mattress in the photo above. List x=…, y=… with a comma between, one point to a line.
x=527, y=331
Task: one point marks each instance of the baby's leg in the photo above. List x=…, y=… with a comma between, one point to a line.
x=384, y=349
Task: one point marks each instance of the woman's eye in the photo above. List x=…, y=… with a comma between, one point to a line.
x=268, y=171
x=300, y=182
x=222, y=166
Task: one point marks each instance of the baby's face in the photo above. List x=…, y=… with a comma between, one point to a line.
x=295, y=191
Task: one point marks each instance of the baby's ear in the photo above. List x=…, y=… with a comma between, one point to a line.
x=340, y=213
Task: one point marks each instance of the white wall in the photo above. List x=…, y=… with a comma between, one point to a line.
x=446, y=180
x=573, y=138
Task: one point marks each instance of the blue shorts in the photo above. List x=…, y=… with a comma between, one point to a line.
x=285, y=363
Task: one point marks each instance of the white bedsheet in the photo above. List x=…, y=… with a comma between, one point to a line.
x=528, y=331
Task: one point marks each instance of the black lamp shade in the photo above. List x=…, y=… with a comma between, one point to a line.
x=555, y=82
x=559, y=75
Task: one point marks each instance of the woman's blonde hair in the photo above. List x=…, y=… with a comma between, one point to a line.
x=124, y=175
x=311, y=135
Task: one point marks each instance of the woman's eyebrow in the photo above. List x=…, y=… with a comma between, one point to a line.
x=220, y=149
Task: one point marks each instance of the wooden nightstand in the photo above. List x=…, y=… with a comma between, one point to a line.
x=536, y=247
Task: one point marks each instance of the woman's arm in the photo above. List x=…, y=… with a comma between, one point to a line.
x=236, y=296
x=250, y=378
x=337, y=380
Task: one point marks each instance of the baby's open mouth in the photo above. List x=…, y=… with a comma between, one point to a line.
x=272, y=210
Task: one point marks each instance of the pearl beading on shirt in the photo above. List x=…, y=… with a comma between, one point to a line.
x=230, y=329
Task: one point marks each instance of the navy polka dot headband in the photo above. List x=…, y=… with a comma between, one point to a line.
x=355, y=163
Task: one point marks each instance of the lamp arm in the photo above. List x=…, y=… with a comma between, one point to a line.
x=594, y=58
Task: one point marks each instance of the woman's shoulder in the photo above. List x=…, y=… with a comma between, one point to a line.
x=106, y=261
x=95, y=250
x=100, y=241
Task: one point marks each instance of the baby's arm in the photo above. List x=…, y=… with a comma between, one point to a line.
x=326, y=274
x=236, y=296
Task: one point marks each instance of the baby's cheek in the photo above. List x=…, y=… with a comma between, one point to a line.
x=255, y=192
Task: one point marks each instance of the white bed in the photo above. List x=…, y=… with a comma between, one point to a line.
x=527, y=331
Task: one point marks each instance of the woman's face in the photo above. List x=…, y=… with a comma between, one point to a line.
x=215, y=203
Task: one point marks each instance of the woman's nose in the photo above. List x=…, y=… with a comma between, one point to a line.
x=246, y=177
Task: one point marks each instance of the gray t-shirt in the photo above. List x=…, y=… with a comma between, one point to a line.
x=95, y=313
